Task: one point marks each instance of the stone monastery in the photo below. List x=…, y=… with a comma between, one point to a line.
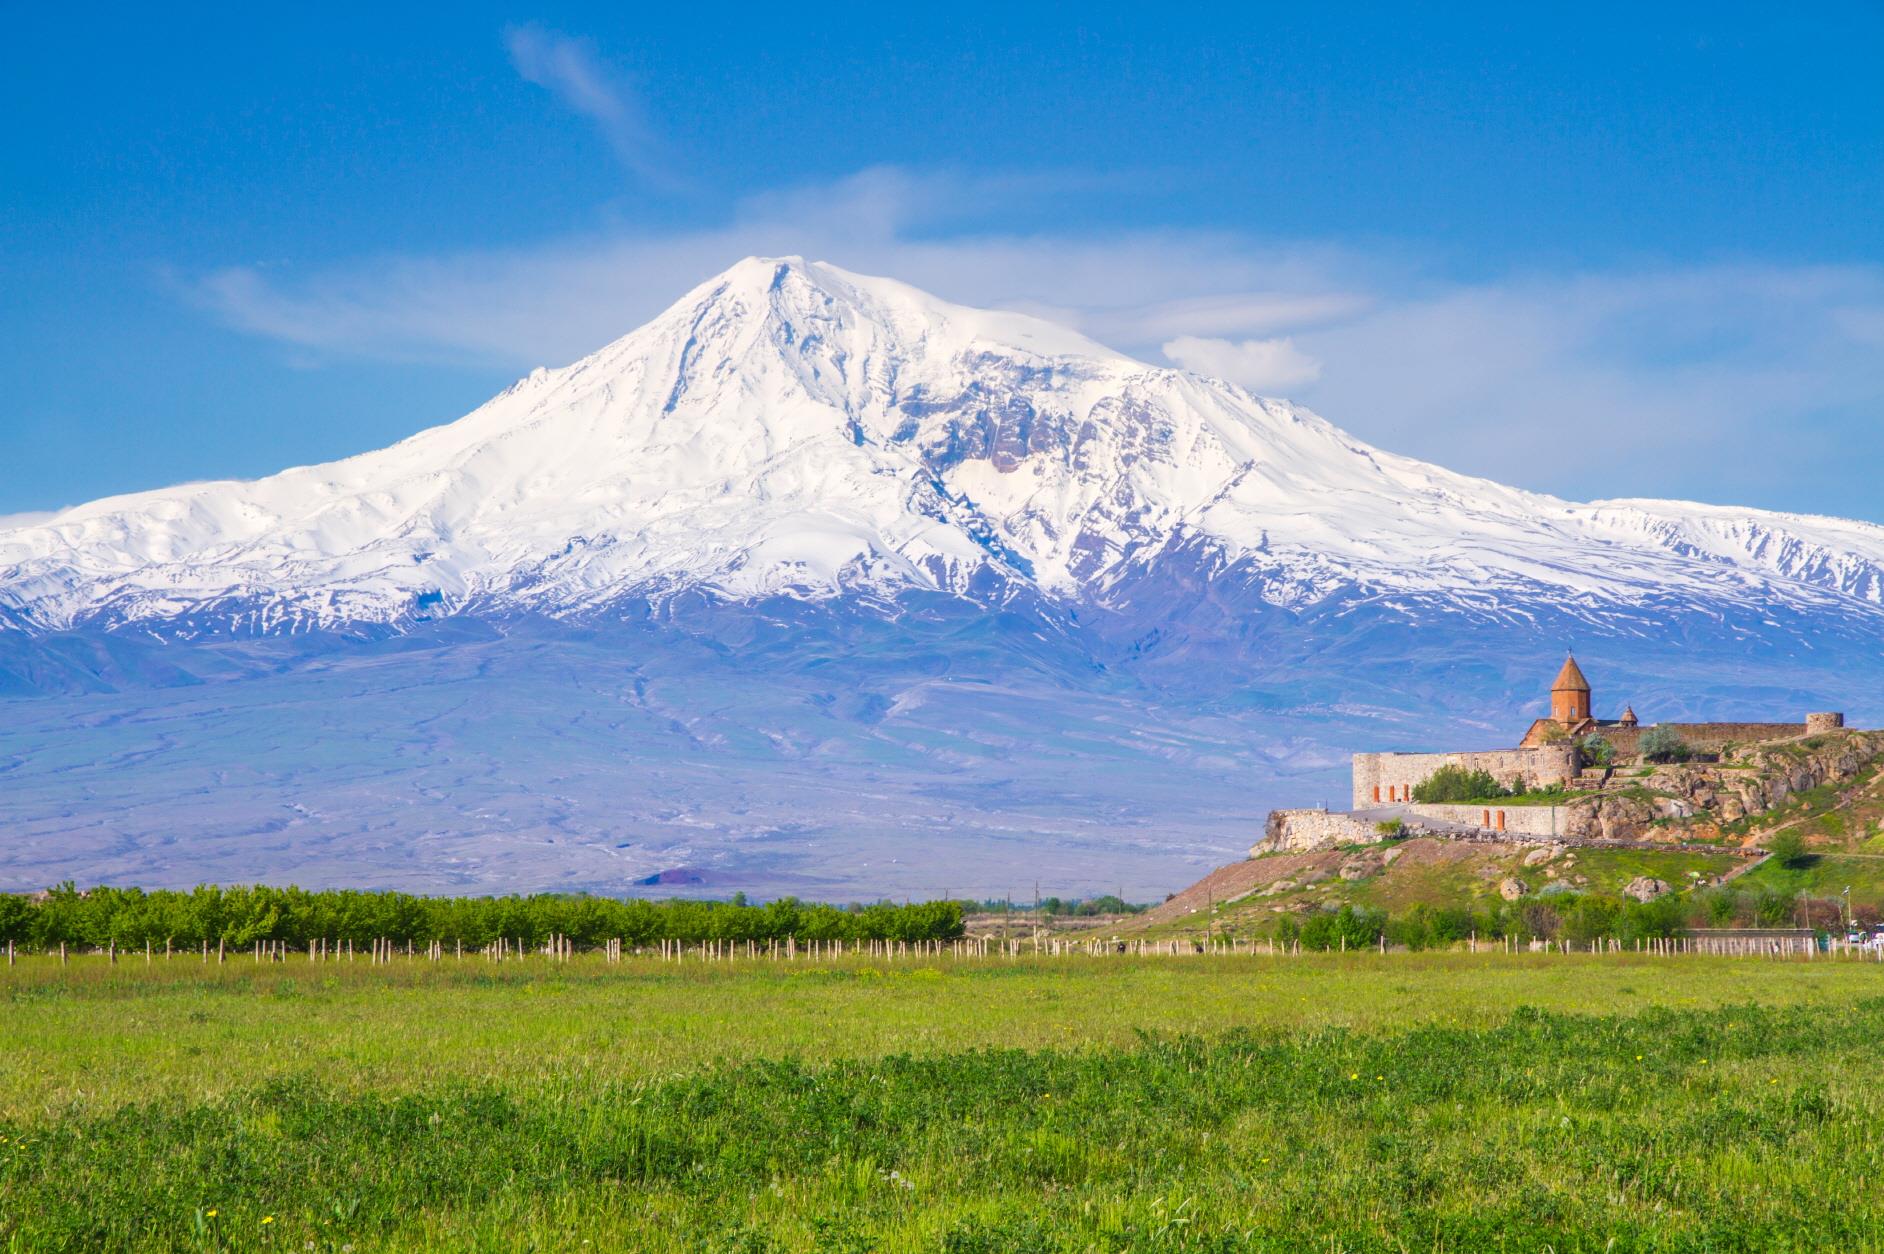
x=1554, y=749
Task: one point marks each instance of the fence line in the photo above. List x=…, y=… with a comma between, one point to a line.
x=560, y=948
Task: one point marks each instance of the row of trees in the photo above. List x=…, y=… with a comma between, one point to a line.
x=241, y=916
x=1579, y=918
x=1088, y=907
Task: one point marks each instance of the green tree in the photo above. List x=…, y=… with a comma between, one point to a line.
x=1662, y=743
x=1772, y=908
x=1595, y=750
x=1788, y=848
x=1350, y=928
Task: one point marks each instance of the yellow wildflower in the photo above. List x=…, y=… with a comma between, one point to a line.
x=268, y=1219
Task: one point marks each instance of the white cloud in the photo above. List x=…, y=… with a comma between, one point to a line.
x=1250, y=313
x=1715, y=382
x=1260, y=365
x=570, y=69
x=1649, y=381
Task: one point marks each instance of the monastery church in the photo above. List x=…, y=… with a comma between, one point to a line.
x=1553, y=749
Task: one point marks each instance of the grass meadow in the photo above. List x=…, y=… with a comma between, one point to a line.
x=1436, y=1101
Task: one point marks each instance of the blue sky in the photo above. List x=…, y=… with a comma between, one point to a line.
x=1636, y=253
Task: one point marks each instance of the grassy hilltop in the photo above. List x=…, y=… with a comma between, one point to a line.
x=1358, y=1102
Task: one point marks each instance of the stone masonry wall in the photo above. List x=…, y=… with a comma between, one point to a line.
x=1545, y=821
x=1705, y=737
x=1302, y=831
x=1387, y=778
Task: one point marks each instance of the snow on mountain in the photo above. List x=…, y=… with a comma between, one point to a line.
x=942, y=600
x=790, y=428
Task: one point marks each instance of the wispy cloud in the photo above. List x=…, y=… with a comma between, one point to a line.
x=1651, y=381
x=1261, y=365
x=571, y=70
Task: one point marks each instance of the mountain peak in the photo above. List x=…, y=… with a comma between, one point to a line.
x=791, y=428
x=792, y=290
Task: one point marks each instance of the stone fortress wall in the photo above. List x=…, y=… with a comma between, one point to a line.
x=1546, y=757
x=1388, y=778
x=1303, y=831
x=1540, y=821
x=1714, y=737
x=1307, y=831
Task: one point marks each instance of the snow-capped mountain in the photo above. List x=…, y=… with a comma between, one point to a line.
x=818, y=584
x=790, y=428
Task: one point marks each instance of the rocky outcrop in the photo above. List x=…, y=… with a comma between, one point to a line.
x=1768, y=775
x=1612, y=816
x=1512, y=889
x=1762, y=778
x=1360, y=869
x=1645, y=888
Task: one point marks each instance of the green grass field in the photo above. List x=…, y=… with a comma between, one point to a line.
x=1406, y=1101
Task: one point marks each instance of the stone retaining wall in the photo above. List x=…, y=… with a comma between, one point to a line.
x=1303, y=831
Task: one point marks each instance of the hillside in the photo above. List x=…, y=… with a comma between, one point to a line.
x=1692, y=827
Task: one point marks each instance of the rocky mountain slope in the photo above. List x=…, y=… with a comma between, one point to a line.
x=788, y=428
x=817, y=582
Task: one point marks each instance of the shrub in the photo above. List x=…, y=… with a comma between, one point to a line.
x=1350, y=928
x=1540, y=920
x=1590, y=917
x=1595, y=750
x=1662, y=743
x=1390, y=827
x=1661, y=918
x=1772, y=908
x=1721, y=906
x=1455, y=783
x=1428, y=927
x=1788, y=849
